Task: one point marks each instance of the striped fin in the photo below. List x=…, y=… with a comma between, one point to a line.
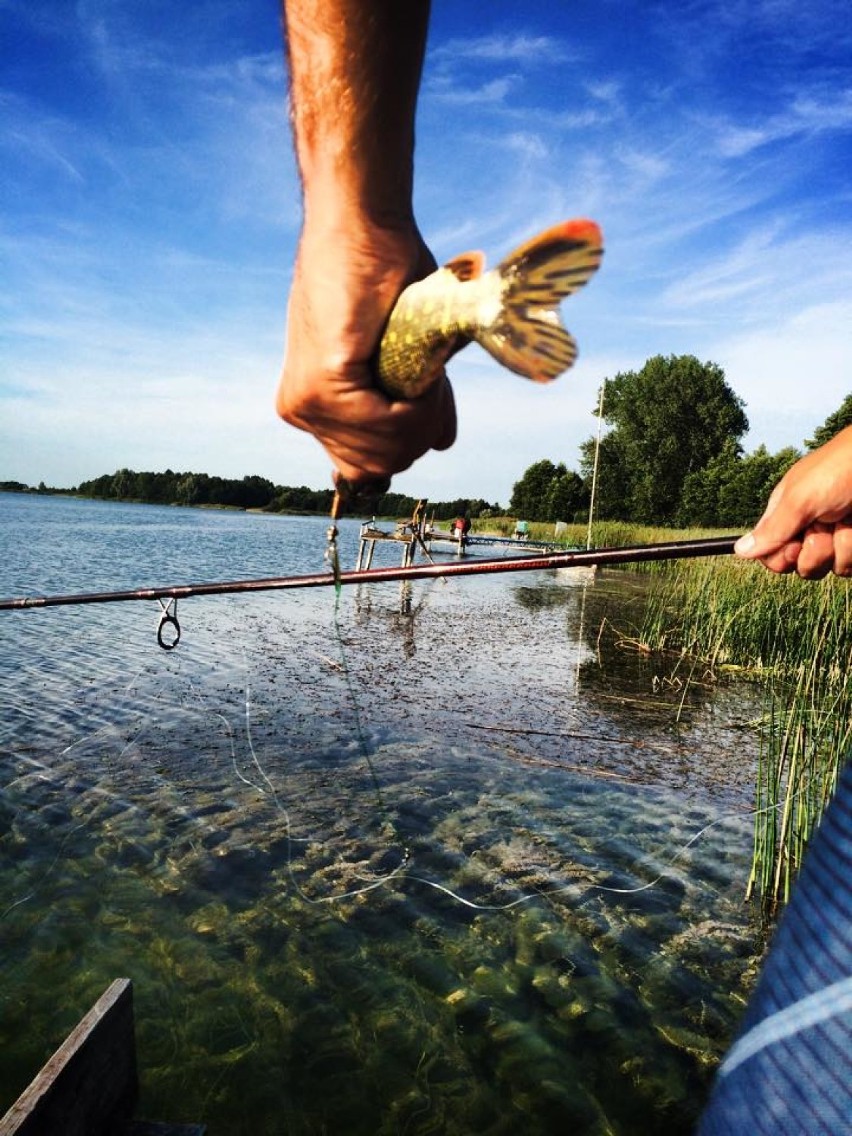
x=527, y=335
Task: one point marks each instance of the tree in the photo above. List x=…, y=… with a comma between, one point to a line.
x=255, y=492
x=832, y=425
x=669, y=420
x=732, y=490
x=744, y=497
x=548, y=492
x=123, y=484
x=530, y=493
x=613, y=484
x=566, y=497
x=699, y=498
x=189, y=490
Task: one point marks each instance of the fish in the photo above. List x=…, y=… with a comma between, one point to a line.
x=512, y=311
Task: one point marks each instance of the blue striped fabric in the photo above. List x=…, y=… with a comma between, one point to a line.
x=790, y=1071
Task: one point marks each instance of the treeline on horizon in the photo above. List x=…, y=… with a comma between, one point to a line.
x=672, y=455
x=251, y=492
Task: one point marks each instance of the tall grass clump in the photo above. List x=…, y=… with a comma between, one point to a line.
x=795, y=637
x=605, y=534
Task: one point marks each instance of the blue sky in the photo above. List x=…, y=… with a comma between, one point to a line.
x=150, y=210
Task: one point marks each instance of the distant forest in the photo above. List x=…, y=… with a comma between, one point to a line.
x=252, y=492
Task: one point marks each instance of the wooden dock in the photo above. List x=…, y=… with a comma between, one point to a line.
x=407, y=534
x=370, y=536
x=415, y=532
x=89, y=1087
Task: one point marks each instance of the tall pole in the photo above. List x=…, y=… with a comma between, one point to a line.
x=595, y=466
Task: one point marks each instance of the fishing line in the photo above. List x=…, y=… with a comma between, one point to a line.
x=268, y=789
x=49, y=776
x=542, y=894
x=400, y=871
x=356, y=713
x=366, y=754
x=47, y=872
x=403, y=872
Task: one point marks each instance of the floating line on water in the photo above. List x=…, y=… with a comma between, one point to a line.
x=667, y=550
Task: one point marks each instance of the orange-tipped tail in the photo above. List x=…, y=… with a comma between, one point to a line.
x=526, y=334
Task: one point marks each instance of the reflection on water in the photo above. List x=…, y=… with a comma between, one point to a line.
x=419, y=866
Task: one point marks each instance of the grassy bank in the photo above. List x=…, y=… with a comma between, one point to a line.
x=795, y=638
x=792, y=636
x=605, y=534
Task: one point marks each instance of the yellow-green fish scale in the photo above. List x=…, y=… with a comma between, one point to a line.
x=431, y=320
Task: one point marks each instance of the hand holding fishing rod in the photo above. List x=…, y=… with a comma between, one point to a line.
x=807, y=524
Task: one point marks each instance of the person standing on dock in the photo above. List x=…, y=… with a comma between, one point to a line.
x=461, y=527
x=355, y=68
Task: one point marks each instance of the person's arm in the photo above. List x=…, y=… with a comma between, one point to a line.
x=354, y=73
x=807, y=524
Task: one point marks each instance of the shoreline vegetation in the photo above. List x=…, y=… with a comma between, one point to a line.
x=721, y=618
x=704, y=620
x=200, y=490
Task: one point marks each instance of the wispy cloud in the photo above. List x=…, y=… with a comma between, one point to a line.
x=806, y=116
x=490, y=93
x=507, y=47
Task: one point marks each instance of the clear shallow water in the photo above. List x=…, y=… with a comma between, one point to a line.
x=456, y=876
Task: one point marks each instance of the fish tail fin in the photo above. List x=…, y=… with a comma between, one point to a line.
x=526, y=334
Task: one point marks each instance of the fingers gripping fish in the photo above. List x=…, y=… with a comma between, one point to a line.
x=511, y=311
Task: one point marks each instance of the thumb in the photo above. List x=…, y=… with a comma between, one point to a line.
x=776, y=528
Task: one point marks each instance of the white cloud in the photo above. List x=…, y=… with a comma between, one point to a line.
x=507, y=48
x=490, y=93
x=606, y=91
x=645, y=168
x=528, y=146
x=806, y=115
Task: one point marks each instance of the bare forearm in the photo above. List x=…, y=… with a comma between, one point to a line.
x=354, y=72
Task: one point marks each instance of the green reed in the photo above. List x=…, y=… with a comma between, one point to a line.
x=794, y=637
x=605, y=534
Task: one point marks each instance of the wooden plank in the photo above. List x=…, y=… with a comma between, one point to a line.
x=89, y=1085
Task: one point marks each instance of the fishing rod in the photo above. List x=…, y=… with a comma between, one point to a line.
x=169, y=626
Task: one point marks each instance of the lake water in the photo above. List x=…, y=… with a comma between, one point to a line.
x=415, y=862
